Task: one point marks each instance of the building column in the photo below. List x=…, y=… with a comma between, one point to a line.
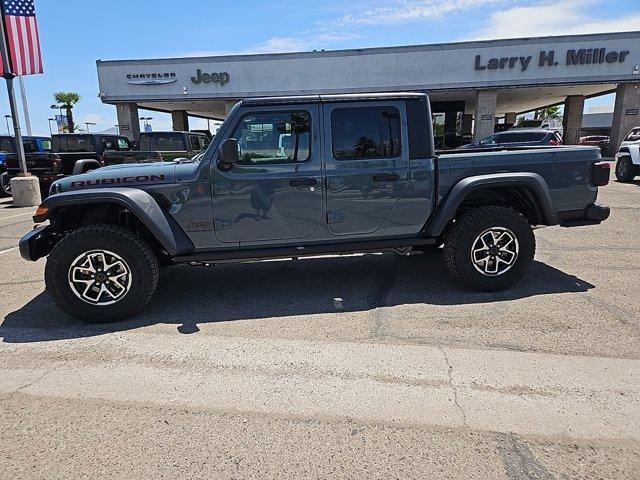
x=466, y=124
x=485, y=115
x=625, y=114
x=180, y=121
x=572, y=119
x=128, y=120
x=510, y=117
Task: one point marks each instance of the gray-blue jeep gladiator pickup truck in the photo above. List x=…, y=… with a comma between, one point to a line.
x=288, y=177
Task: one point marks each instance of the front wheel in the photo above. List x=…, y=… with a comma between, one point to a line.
x=625, y=169
x=101, y=273
x=489, y=248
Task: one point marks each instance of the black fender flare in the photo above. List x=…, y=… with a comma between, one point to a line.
x=140, y=203
x=532, y=181
x=78, y=167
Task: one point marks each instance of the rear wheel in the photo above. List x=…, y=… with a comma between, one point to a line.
x=101, y=273
x=489, y=248
x=625, y=169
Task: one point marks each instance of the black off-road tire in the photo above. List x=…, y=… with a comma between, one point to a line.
x=625, y=169
x=5, y=185
x=130, y=247
x=463, y=234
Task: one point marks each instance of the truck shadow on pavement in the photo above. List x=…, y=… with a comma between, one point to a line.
x=188, y=296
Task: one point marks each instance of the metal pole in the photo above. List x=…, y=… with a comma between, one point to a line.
x=16, y=127
x=6, y=117
x=12, y=103
x=25, y=105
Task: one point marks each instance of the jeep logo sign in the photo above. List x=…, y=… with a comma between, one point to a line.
x=581, y=56
x=222, y=78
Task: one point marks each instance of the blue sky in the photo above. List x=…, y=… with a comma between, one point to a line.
x=76, y=33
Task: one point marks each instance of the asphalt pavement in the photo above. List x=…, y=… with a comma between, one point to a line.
x=373, y=366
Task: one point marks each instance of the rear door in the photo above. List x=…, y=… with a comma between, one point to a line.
x=273, y=194
x=366, y=164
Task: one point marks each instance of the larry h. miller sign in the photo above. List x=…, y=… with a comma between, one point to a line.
x=548, y=58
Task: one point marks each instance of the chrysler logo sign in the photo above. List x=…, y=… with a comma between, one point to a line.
x=151, y=78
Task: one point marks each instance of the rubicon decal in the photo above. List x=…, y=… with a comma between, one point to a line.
x=117, y=181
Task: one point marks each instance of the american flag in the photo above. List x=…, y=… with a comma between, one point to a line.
x=23, y=41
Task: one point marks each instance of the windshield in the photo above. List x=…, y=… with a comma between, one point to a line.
x=70, y=144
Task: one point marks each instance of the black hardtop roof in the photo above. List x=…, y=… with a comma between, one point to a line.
x=343, y=97
x=172, y=131
x=27, y=137
x=81, y=134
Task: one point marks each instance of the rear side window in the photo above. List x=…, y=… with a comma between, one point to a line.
x=372, y=132
x=145, y=142
x=6, y=145
x=168, y=142
x=108, y=143
x=30, y=146
x=73, y=144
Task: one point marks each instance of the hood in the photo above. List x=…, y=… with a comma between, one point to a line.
x=124, y=175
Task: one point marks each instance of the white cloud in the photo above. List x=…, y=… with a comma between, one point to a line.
x=305, y=42
x=405, y=11
x=565, y=17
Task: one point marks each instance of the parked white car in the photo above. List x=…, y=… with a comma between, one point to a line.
x=554, y=124
x=628, y=157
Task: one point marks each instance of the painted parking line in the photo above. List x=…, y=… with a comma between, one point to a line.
x=7, y=250
x=16, y=216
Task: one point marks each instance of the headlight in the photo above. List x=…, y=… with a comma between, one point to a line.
x=55, y=188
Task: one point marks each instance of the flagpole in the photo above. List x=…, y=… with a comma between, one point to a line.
x=12, y=102
x=25, y=105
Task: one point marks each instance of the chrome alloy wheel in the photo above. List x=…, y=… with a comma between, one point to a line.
x=494, y=251
x=99, y=277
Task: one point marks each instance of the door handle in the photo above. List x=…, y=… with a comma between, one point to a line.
x=386, y=177
x=303, y=182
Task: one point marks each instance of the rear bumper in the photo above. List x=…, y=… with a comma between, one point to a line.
x=593, y=214
x=37, y=243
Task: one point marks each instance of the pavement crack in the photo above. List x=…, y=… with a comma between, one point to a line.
x=454, y=386
x=377, y=297
x=10, y=396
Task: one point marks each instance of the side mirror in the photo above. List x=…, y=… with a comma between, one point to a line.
x=228, y=153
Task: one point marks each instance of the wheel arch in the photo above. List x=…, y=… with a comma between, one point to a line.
x=526, y=192
x=65, y=209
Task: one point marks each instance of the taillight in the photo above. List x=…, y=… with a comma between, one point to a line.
x=555, y=141
x=600, y=173
x=101, y=161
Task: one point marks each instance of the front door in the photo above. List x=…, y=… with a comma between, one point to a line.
x=367, y=164
x=274, y=192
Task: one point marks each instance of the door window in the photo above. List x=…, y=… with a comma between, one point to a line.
x=372, y=132
x=274, y=138
x=194, y=142
x=633, y=135
x=123, y=144
x=108, y=143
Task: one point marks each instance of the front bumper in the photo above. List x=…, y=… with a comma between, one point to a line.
x=593, y=214
x=37, y=243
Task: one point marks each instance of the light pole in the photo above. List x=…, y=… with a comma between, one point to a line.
x=87, y=124
x=59, y=107
x=51, y=120
x=146, y=122
x=117, y=128
x=7, y=117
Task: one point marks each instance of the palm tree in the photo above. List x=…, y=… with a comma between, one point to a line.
x=67, y=100
x=549, y=112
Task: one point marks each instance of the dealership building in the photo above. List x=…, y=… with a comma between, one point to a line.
x=474, y=86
